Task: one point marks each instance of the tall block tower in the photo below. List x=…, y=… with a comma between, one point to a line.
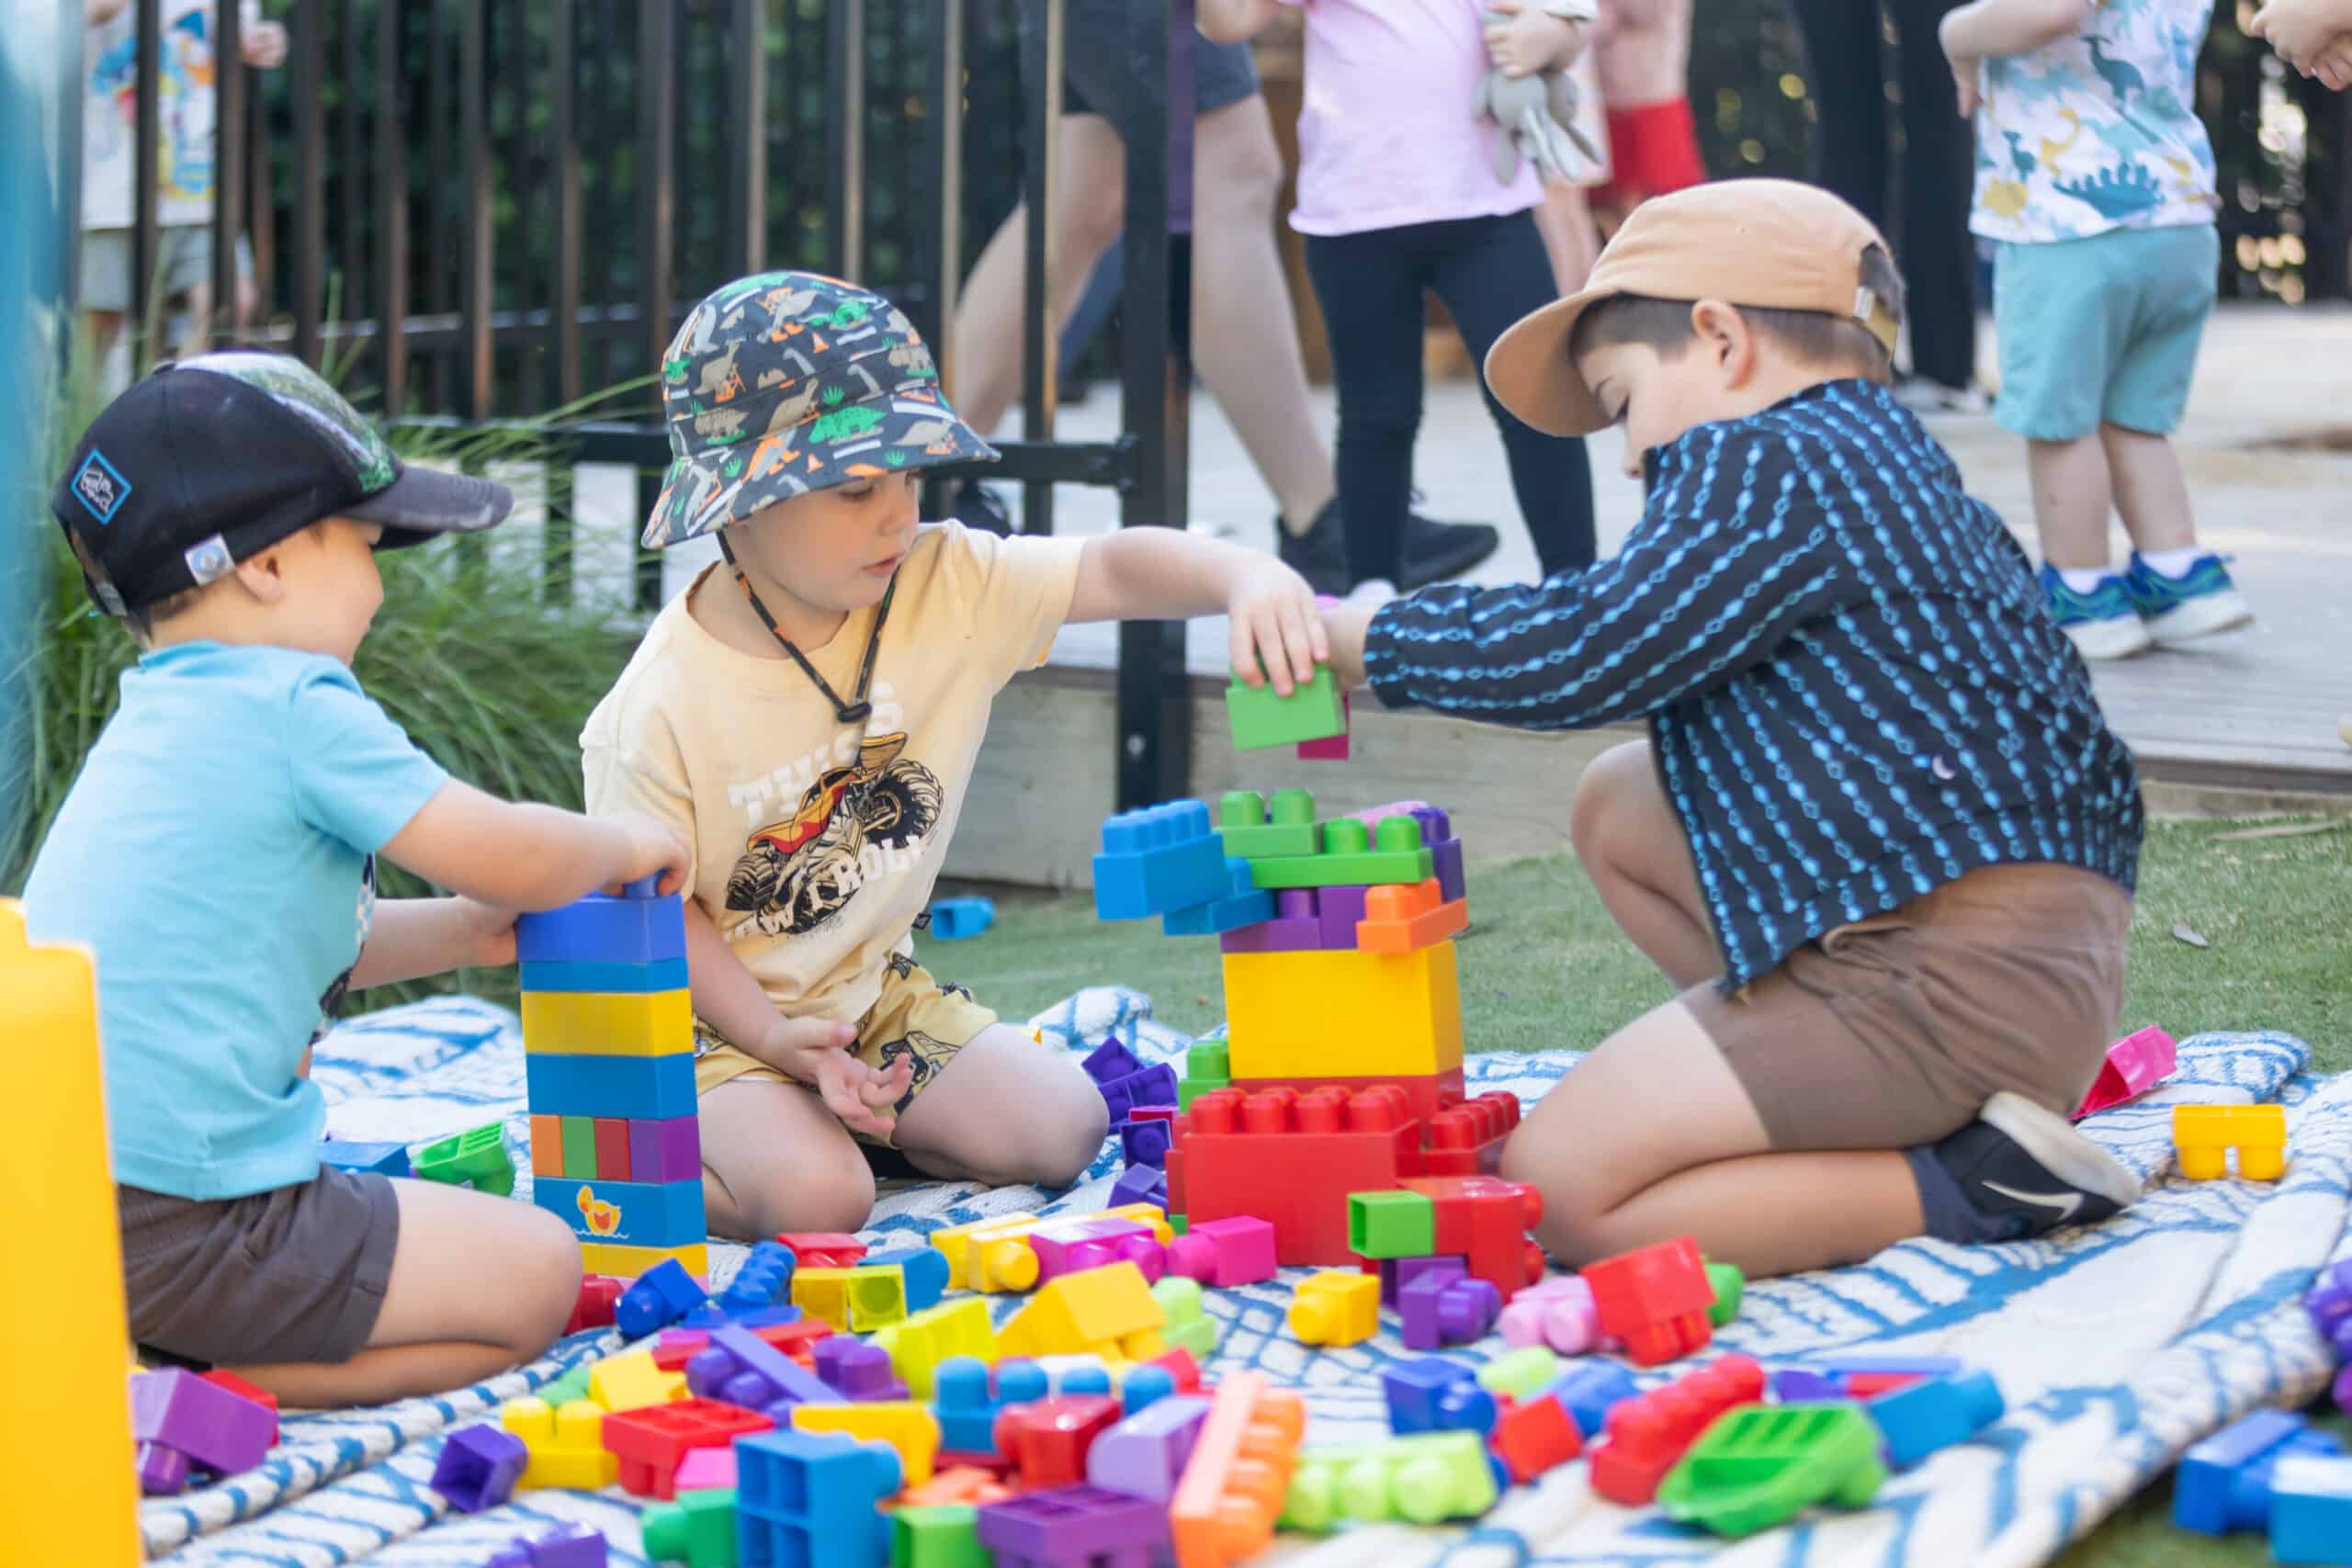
x=609, y=1059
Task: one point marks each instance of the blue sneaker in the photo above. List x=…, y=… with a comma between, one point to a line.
x=2181, y=609
x=2102, y=623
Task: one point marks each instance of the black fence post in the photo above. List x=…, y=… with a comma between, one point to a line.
x=228, y=158
x=474, y=215
x=1042, y=44
x=392, y=213
x=307, y=76
x=147, y=167
x=845, y=137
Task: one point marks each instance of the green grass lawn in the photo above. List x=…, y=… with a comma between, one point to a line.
x=1544, y=967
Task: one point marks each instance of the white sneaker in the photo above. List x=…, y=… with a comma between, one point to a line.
x=1923, y=394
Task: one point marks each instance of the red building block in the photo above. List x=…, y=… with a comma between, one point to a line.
x=1870, y=1385
x=1425, y=1095
x=1467, y=1139
x=1656, y=1299
x=612, y=1149
x=1646, y=1436
x=651, y=1443
x=1485, y=1220
x=1535, y=1437
x=1048, y=1440
x=1292, y=1159
x=599, y=1295
x=244, y=1389
x=823, y=1249
x=1179, y=1364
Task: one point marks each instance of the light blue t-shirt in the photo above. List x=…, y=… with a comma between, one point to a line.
x=216, y=855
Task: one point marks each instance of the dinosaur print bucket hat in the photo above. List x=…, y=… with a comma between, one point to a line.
x=789, y=382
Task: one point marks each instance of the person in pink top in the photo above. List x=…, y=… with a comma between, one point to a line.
x=1397, y=193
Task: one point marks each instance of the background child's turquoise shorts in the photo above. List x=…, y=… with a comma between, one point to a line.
x=2103, y=330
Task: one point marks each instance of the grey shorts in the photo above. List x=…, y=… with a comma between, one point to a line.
x=183, y=261
x=1099, y=78
x=293, y=1274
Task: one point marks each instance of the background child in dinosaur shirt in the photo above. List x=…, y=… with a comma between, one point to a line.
x=2095, y=176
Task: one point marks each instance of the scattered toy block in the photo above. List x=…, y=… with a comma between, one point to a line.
x=221, y=1377
x=571, y=1084
x=573, y=1385
x=1353, y=856
x=1522, y=1373
x=1263, y=718
x=1336, y=1308
x=1759, y=1466
x=813, y=1499
x=2310, y=1509
x=651, y=1442
x=2224, y=1483
x=1533, y=1437
x=1485, y=1221
x=1144, y=1140
x=1187, y=1326
x=739, y=1368
x=951, y=1486
x=1243, y=905
x=705, y=1470
x=1156, y=1085
x=1432, y=1394
x=876, y=1297
x=923, y=1270
x=1291, y=1159
x=384, y=1160
x=1092, y=1241
x=566, y=1445
x=478, y=1468
x=1396, y=1273
x=1158, y=858
x=1557, y=1313
x=953, y=1242
x=1253, y=828
x=1073, y=1524
x=1232, y=1485
x=857, y=1371
x=1729, y=1285
x=1047, y=1439
x=603, y=929
x=1467, y=1139
x=206, y=1426
x=966, y=1404
x=909, y=1428
x=1917, y=1420
x=608, y=1023
x=1076, y=1374
x=822, y=1293
x=661, y=1296
x=1111, y=1061
x=958, y=919
x=2204, y=1135
x=1141, y=1184
x=1444, y=1306
x=600, y=1296
x=2135, y=1064
x=1236, y=1250
x=698, y=1529
x=1144, y=1454
x=569, y=1546
x=1144, y=1385
x=1420, y=1479
x=1648, y=1433
x=1656, y=1299
x=823, y=1249
x=663, y=974
x=476, y=1157
x=1106, y=1312
x=1591, y=1390
x=1399, y=919
x=1346, y=1014
x=939, y=1534
x=928, y=1339
x=764, y=1278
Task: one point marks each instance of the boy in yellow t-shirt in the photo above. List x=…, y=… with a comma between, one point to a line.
x=808, y=716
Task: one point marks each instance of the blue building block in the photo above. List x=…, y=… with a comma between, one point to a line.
x=1588, y=1389
x=1430, y=1394
x=1921, y=1418
x=1140, y=1184
x=1144, y=1143
x=651, y=1088
x=925, y=1268
x=1111, y=1061
x=1245, y=904
x=651, y=1213
x=966, y=1405
x=608, y=978
x=2223, y=1482
x=1145, y=1386
x=384, y=1160
x=716, y=1315
x=1162, y=858
x=1802, y=1385
x=763, y=1278
x=1156, y=1085
x=811, y=1500
x=953, y=919
x=2310, y=1509
x=602, y=930
x=656, y=1299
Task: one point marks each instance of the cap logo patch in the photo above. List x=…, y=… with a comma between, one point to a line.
x=208, y=560
x=100, y=487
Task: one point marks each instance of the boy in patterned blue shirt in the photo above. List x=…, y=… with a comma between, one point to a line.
x=1879, y=838
x=2095, y=178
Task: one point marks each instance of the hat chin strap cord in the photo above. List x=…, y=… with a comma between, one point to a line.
x=853, y=712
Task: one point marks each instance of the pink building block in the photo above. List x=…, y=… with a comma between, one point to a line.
x=1072, y=1245
x=2135, y=1064
x=1332, y=748
x=1224, y=1253
x=705, y=1470
x=1372, y=816
x=1559, y=1313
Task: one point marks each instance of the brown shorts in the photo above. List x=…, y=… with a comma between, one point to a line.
x=293, y=1274
x=1895, y=1030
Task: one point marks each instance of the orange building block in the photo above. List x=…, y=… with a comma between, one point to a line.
x=1234, y=1484
x=547, y=1145
x=1399, y=919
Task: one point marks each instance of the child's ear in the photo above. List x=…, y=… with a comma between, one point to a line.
x=263, y=576
x=1725, y=338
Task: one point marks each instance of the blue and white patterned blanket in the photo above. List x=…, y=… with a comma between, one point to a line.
x=2116, y=1347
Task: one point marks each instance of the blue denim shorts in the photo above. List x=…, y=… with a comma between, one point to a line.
x=2102, y=331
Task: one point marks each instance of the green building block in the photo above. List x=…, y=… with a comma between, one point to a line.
x=1762, y=1465
x=938, y=1535
x=1207, y=1066
x=1311, y=712
x=1520, y=1372
x=1420, y=1479
x=1243, y=825
x=1729, y=1282
x=573, y=1385
x=698, y=1529
x=579, y=1148
x=1391, y=1224
x=1354, y=856
x=1178, y=1224
x=477, y=1155
x=1187, y=1326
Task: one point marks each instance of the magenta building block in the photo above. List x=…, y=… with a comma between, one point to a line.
x=2343, y=1389
x=1373, y=816
x=668, y=1149
x=1340, y=910
x=1071, y=1524
x=1074, y=1247
x=2135, y=1064
x=1237, y=1251
x=161, y=1469
x=217, y=1431
x=478, y=1467
x=1140, y=1184
x=854, y=1369
x=1395, y=1273
x=706, y=1468
x=1295, y=927
x=1332, y=748
x=1559, y=1313
x=1145, y=1455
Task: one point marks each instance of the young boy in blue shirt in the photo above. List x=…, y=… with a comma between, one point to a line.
x=1879, y=838
x=217, y=855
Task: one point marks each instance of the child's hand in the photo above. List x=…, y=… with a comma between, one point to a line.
x=2302, y=31
x=816, y=1050
x=648, y=849
x=487, y=933
x=2333, y=67
x=1522, y=42
x=1274, y=624
x=1344, y=627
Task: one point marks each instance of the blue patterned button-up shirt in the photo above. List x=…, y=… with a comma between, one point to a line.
x=1854, y=689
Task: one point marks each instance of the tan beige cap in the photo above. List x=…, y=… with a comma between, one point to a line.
x=1775, y=244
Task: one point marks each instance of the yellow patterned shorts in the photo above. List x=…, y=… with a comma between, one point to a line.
x=915, y=1016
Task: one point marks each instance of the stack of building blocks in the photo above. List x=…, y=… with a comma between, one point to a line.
x=608, y=1043
x=2205, y=1134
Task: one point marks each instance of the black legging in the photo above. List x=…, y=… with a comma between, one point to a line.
x=1489, y=272
x=1849, y=157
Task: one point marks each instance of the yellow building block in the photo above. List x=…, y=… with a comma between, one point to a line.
x=608, y=1023
x=65, y=1444
x=878, y=1297
x=2204, y=1135
x=567, y=1445
x=960, y=1327
x=1150, y=1215
x=633, y=1382
x=1338, y=1306
x=998, y=1257
x=628, y=1262
x=822, y=1293
x=1342, y=1015
x=955, y=1241
x=1106, y=1312
x=907, y=1427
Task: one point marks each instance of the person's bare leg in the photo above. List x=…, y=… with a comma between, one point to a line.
x=478, y=1284
x=1652, y=1137
x=1004, y=1111
x=2149, y=490
x=1631, y=845
x=1564, y=218
x=1245, y=333
x=775, y=1159
x=2071, y=496
x=1089, y=206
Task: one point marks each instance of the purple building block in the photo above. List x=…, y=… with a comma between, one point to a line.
x=1296, y=927
x=213, y=1429
x=572, y=1546
x=1438, y=1309
x=478, y=1467
x=669, y=1149
x=1145, y=1455
x=2329, y=1301
x=1341, y=911
x=1445, y=851
x=855, y=1370
x=741, y=1368
x=1140, y=1184
x=1111, y=1061
x=161, y=1469
x=1802, y=1385
x=1075, y=1526
x=659, y=1297
x=1146, y=1141
x=1156, y=1085
x=1395, y=1273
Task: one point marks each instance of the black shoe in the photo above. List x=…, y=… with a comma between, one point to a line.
x=2028, y=1171
x=1320, y=555
x=1435, y=551
x=976, y=506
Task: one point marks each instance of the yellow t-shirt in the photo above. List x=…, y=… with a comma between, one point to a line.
x=816, y=844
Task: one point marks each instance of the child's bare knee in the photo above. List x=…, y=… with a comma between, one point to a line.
x=542, y=1282
x=1075, y=1138
x=1602, y=794
x=1570, y=1230
x=833, y=1197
